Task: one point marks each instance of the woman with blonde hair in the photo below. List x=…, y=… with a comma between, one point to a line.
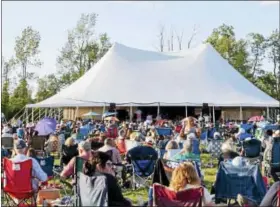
x=69, y=150
x=185, y=177
x=53, y=144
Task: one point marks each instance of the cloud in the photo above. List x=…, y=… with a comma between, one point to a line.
x=266, y=3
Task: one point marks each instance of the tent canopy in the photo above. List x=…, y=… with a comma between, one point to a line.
x=128, y=76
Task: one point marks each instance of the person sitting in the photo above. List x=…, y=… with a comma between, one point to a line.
x=120, y=142
x=52, y=145
x=109, y=145
x=171, y=146
x=37, y=172
x=103, y=162
x=270, y=198
x=115, y=197
x=84, y=149
x=186, y=153
x=69, y=150
x=185, y=177
x=227, y=152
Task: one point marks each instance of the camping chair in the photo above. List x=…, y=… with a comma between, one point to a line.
x=38, y=144
x=170, y=165
x=93, y=193
x=7, y=142
x=17, y=183
x=164, y=131
x=67, y=153
x=274, y=162
x=164, y=196
x=215, y=149
x=246, y=180
x=252, y=150
x=142, y=169
x=47, y=165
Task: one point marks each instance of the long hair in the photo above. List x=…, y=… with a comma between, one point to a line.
x=184, y=174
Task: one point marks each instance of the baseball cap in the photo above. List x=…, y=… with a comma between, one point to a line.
x=85, y=145
x=20, y=144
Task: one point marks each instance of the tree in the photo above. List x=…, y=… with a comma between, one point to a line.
x=5, y=98
x=161, y=39
x=47, y=87
x=194, y=32
x=273, y=50
x=82, y=49
x=266, y=83
x=235, y=51
x=26, y=51
x=20, y=97
x=257, y=44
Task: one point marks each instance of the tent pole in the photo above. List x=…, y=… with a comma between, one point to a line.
x=39, y=114
x=59, y=110
x=267, y=113
x=26, y=114
x=130, y=114
x=214, y=121
x=241, y=114
x=32, y=115
x=158, y=110
x=186, y=110
x=46, y=112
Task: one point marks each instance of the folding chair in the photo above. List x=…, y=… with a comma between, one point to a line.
x=215, y=149
x=164, y=196
x=17, y=183
x=38, y=144
x=142, y=169
x=7, y=142
x=47, y=165
x=164, y=131
x=246, y=180
x=252, y=150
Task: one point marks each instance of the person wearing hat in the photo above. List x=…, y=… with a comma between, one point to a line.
x=84, y=149
x=38, y=174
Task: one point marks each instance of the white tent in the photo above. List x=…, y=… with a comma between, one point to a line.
x=129, y=76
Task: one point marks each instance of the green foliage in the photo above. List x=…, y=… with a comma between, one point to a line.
x=5, y=98
x=47, y=87
x=82, y=50
x=26, y=51
x=20, y=97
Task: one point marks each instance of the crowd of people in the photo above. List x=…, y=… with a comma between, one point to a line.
x=105, y=147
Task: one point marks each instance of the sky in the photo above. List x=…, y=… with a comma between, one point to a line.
x=134, y=24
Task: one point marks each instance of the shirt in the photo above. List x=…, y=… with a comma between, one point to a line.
x=69, y=168
x=37, y=172
x=116, y=157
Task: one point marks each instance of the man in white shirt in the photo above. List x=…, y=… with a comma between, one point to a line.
x=37, y=172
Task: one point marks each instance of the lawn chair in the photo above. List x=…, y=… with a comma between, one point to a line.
x=164, y=197
x=17, y=183
x=164, y=131
x=274, y=162
x=215, y=149
x=252, y=150
x=232, y=180
x=7, y=142
x=142, y=169
x=47, y=165
x=38, y=144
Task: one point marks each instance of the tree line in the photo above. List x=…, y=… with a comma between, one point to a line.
x=84, y=47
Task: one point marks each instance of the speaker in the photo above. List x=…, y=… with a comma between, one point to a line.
x=205, y=109
x=112, y=107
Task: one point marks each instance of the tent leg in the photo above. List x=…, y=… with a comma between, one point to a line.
x=39, y=114
x=26, y=114
x=32, y=115
x=186, y=110
x=46, y=112
x=267, y=113
x=241, y=114
x=130, y=113
x=158, y=110
x=214, y=121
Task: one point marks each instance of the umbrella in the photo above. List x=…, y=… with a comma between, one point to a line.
x=109, y=114
x=111, y=118
x=46, y=126
x=91, y=114
x=256, y=119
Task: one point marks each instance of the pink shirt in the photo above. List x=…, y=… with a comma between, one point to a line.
x=69, y=168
